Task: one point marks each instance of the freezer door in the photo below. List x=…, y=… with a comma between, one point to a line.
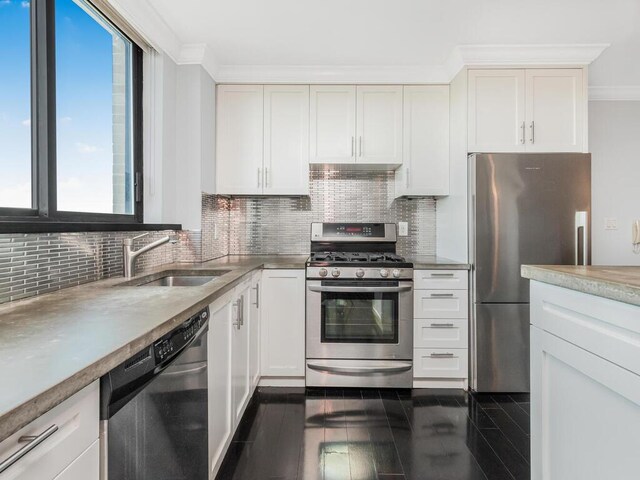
x=501, y=348
x=523, y=211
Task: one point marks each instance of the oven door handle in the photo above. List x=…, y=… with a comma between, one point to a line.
x=403, y=288
x=362, y=370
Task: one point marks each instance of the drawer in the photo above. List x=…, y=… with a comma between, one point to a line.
x=440, y=333
x=440, y=304
x=440, y=280
x=85, y=467
x=77, y=422
x=440, y=363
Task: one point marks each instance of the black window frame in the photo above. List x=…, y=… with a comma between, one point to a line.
x=44, y=210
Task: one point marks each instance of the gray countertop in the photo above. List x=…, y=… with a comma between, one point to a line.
x=53, y=345
x=616, y=283
x=431, y=262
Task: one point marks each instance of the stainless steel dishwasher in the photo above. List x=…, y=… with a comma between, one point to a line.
x=154, y=409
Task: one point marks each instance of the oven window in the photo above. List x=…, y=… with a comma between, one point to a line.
x=359, y=317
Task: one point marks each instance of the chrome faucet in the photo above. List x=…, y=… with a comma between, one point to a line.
x=130, y=255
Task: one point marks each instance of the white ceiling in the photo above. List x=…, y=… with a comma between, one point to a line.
x=420, y=33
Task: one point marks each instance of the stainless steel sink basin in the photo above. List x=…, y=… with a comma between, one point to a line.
x=173, y=278
x=180, y=281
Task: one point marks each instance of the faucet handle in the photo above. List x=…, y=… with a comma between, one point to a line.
x=140, y=236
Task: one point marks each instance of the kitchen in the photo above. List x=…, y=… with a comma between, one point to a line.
x=234, y=246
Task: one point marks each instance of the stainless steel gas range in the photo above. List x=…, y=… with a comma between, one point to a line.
x=359, y=308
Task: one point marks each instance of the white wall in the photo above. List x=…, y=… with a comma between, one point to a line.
x=614, y=139
x=451, y=211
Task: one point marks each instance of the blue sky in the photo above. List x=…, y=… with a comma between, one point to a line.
x=84, y=108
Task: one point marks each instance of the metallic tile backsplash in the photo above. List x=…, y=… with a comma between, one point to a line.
x=281, y=225
x=37, y=263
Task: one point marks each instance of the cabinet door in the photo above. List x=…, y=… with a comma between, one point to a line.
x=283, y=319
x=379, y=124
x=240, y=351
x=425, y=146
x=496, y=110
x=219, y=368
x=254, y=330
x=585, y=413
x=332, y=123
x=555, y=110
x=239, y=142
x=286, y=139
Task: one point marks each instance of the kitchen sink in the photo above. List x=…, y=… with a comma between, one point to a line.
x=178, y=279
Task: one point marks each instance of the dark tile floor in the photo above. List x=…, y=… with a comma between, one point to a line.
x=337, y=434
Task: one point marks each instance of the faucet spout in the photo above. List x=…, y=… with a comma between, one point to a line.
x=130, y=255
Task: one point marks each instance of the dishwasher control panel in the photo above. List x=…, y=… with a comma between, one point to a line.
x=173, y=342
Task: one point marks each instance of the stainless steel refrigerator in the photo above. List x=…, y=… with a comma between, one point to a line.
x=524, y=208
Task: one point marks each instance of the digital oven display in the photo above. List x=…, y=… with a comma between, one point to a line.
x=368, y=230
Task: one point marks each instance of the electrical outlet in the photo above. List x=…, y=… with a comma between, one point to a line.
x=610, y=223
x=403, y=229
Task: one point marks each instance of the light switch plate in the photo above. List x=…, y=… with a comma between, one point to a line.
x=403, y=229
x=610, y=223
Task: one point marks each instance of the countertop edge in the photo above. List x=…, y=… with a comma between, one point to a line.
x=617, y=291
x=23, y=414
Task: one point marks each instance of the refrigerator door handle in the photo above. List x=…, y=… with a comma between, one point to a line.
x=582, y=237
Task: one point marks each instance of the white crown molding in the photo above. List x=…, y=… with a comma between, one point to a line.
x=525, y=55
x=628, y=93
x=199, y=54
x=325, y=74
x=150, y=25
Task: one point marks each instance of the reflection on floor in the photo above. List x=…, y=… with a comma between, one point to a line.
x=337, y=434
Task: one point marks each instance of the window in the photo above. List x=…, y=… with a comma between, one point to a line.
x=74, y=84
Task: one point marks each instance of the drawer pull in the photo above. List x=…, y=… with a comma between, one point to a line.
x=441, y=274
x=442, y=325
x=448, y=295
x=442, y=355
x=33, y=442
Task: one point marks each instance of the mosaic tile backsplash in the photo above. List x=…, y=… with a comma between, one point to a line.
x=281, y=225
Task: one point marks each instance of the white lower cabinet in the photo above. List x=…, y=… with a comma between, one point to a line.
x=254, y=329
x=283, y=323
x=68, y=431
x=240, y=381
x=585, y=386
x=440, y=328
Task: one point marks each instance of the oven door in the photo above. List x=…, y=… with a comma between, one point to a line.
x=359, y=319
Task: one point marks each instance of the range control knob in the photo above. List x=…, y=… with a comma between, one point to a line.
x=360, y=273
x=322, y=272
x=335, y=273
x=396, y=273
x=384, y=273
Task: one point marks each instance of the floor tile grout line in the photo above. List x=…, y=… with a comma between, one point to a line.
x=489, y=444
x=511, y=418
x=520, y=406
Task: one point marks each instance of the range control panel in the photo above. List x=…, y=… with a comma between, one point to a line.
x=363, y=230
x=169, y=345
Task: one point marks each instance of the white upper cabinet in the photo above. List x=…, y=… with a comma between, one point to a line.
x=555, y=110
x=239, y=143
x=425, y=149
x=332, y=124
x=379, y=124
x=286, y=140
x=526, y=110
x=496, y=110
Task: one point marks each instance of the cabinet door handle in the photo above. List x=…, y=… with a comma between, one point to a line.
x=442, y=355
x=522, y=127
x=442, y=325
x=257, y=289
x=441, y=274
x=259, y=177
x=353, y=146
x=533, y=131
x=241, y=299
x=360, y=145
x=237, y=323
x=33, y=442
x=407, y=185
x=448, y=295
x=266, y=177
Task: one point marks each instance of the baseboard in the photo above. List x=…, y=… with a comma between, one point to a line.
x=281, y=382
x=459, y=383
